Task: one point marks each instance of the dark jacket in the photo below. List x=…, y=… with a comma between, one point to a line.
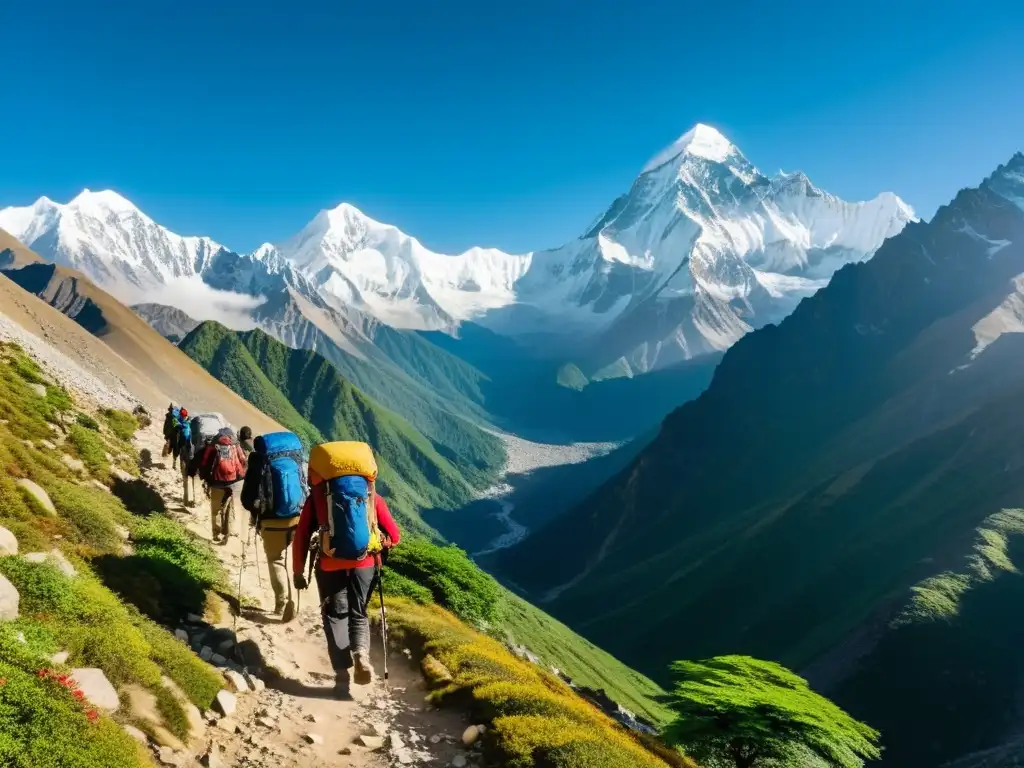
x=180, y=445
x=262, y=519
x=170, y=422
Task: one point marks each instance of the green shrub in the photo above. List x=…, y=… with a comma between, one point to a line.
x=193, y=676
x=87, y=421
x=453, y=579
x=90, y=448
x=94, y=514
x=122, y=424
x=399, y=585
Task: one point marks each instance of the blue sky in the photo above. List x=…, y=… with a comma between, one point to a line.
x=510, y=125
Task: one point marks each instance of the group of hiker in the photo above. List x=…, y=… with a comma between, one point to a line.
x=322, y=508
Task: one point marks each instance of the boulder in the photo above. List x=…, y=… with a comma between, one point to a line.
x=226, y=703
x=48, y=445
x=211, y=759
x=97, y=689
x=206, y=653
x=236, y=681
x=8, y=542
x=75, y=465
x=371, y=742
x=314, y=738
x=55, y=558
x=459, y=761
x=9, y=600
x=472, y=735
x=34, y=490
x=181, y=634
x=39, y=389
x=136, y=734
x=218, y=660
x=59, y=658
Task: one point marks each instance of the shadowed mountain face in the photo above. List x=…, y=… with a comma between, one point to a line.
x=836, y=460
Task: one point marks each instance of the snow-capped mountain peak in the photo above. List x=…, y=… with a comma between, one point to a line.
x=104, y=201
x=700, y=141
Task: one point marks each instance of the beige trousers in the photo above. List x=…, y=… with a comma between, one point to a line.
x=275, y=544
x=221, y=512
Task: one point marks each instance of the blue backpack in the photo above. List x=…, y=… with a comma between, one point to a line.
x=185, y=444
x=351, y=532
x=283, y=486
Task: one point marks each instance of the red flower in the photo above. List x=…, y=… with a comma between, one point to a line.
x=78, y=695
x=92, y=715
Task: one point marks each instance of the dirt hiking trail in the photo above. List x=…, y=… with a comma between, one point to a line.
x=295, y=720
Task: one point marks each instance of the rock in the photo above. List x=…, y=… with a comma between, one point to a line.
x=437, y=738
x=226, y=703
x=61, y=657
x=459, y=761
x=38, y=493
x=142, y=707
x=39, y=389
x=257, y=684
x=225, y=646
x=181, y=634
x=211, y=759
x=206, y=653
x=225, y=724
x=236, y=681
x=98, y=485
x=75, y=465
x=9, y=600
x=345, y=751
x=136, y=734
x=218, y=660
x=120, y=474
x=311, y=718
x=167, y=756
x=371, y=742
x=194, y=618
x=314, y=738
x=97, y=689
x=266, y=722
x=471, y=735
x=55, y=558
x=377, y=728
x=48, y=445
x=8, y=542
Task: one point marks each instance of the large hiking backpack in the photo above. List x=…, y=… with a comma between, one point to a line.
x=226, y=466
x=282, y=488
x=348, y=471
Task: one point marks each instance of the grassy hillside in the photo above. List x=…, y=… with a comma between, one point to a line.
x=43, y=722
x=307, y=395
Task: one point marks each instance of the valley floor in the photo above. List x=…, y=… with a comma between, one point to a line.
x=524, y=458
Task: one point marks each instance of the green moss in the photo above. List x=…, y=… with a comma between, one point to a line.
x=90, y=448
x=87, y=421
x=122, y=424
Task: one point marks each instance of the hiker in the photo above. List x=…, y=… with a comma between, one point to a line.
x=273, y=493
x=183, y=449
x=354, y=527
x=245, y=440
x=220, y=465
x=170, y=422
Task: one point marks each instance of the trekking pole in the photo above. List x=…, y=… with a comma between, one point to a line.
x=259, y=576
x=383, y=620
x=241, y=569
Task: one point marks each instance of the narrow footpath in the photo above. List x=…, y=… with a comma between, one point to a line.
x=295, y=721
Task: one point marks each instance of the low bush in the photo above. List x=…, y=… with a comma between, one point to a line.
x=122, y=424
x=87, y=421
x=399, y=585
x=90, y=448
x=537, y=719
x=453, y=579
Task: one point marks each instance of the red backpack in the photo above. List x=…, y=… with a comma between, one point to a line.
x=226, y=463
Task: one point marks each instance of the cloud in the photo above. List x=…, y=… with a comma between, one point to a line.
x=201, y=302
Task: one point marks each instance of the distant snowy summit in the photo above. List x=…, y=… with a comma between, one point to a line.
x=702, y=248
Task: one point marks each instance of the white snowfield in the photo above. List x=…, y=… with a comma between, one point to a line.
x=703, y=248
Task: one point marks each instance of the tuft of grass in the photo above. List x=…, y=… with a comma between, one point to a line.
x=537, y=719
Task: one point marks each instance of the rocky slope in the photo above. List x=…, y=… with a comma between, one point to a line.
x=789, y=510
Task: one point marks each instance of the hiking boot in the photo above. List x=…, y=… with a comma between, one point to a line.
x=342, y=685
x=363, y=671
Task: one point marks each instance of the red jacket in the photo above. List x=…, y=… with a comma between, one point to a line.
x=314, y=517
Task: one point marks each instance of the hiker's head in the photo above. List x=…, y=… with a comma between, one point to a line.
x=184, y=413
x=245, y=433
